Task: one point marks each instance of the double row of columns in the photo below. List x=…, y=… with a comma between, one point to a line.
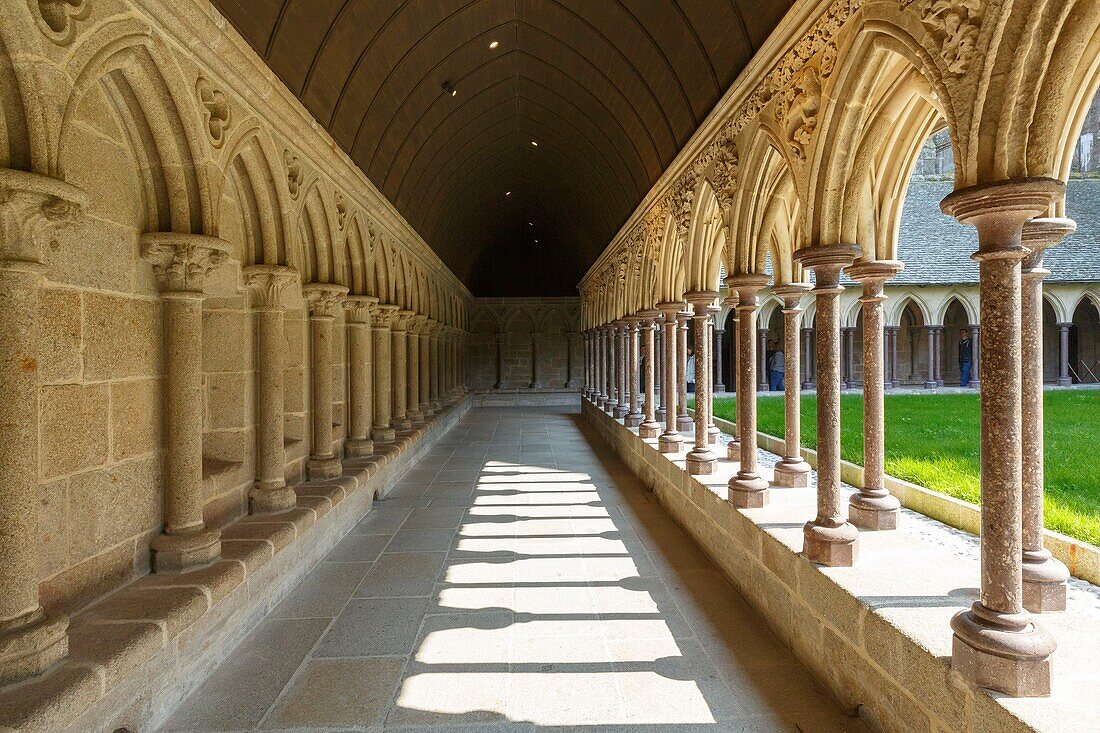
x=997, y=644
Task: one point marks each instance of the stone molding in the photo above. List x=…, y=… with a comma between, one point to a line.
x=383, y=315
x=359, y=309
x=31, y=205
x=181, y=262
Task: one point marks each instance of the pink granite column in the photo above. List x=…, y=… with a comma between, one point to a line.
x=712, y=430
x=659, y=348
x=1044, y=577
x=684, y=422
x=267, y=284
x=399, y=360
x=670, y=440
x=1064, y=379
x=32, y=638
x=747, y=488
x=324, y=300
x=357, y=314
x=611, y=337
x=650, y=428
x=701, y=460
x=733, y=448
x=621, y=385
x=996, y=642
x=435, y=359
x=873, y=507
x=829, y=539
x=425, y=369
x=792, y=470
x=634, y=417
x=412, y=369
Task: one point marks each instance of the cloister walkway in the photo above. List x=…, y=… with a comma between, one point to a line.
x=519, y=578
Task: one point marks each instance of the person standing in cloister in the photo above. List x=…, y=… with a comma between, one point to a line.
x=966, y=357
x=778, y=368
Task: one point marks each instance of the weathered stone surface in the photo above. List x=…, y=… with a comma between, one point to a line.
x=60, y=328
x=122, y=337
x=74, y=428
x=136, y=418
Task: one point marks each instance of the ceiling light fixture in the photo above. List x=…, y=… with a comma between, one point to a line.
x=494, y=44
x=449, y=88
x=507, y=193
x=534, y=143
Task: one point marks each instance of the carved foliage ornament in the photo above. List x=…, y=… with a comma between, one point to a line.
x=797, y=111
x=216, y=111
x=56, y=18
x=341, y=210
x=182, y=262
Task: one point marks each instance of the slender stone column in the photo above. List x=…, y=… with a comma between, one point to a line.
x=762, y=354
x=850, y=355
x=733, y=448
x=267, y=284
x=939, y=356
x=873, y=507
x=712, y=430
x=891, y=357
x=382, y=317
x=684, y=421
x=659, y=347
x=701, y=460
x=650, y=427
x=571, y=338
x=324, y=300
x=670, y=441
x=181, y=263
x=612, y=340
x=598, y=396
x=32, y=639
x=809, y=336
x=633, y=418
x=622, y=357
x=1044, y=577
x=930, y=334
x=446, y=375
x=434, y=398
x=399, y=357
x=460, y=362
x=412, y=369
x=425, y=369
x=976, y=340
x=747, y=488
x=499, y=338
x=357, y=315
x=718, y=384
x=829, y=539
x=536, y=382
x=792, y=470
x=996, y=643
x=1064, y=378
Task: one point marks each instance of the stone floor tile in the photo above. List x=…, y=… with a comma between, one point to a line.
x=421, y=540
x=324, y=592
x=402, y=574
x=372, y=627
x=434, y=518
x=358, y=548
x=336, y=692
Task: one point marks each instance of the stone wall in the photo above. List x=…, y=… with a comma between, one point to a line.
x=524, y=345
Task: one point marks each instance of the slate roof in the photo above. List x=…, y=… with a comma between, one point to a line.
x=936, y=249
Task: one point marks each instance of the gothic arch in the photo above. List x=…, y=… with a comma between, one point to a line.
x=768, y=214
x=969, y=308
x=146, y=95
x=705, y=239
x=671, y=264
x=894, y=317
x=262, y=208
x=317, y=239
x=23, y=125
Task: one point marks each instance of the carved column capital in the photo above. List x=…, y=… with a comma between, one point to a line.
x=358, y=308
x=382, y=315
x=31, y=205
x=324, y=299
x=181, y=262
x=417, y=324
x=401, y=320
x=791, y=295
x=267, y=283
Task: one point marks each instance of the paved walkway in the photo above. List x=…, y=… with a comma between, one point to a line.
x=519, y=579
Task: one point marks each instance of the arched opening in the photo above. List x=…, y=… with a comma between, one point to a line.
x=771, y=343
x=912, y=342
x=481, y=352
x=1084, y=344
x=955, y=321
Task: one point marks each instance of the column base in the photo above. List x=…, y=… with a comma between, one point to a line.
x=176, y=553
x=1062, y=381
x=701, y=462
x=670, y=442
x=402, y=424
x=358, y=447
x=712, y=435
x=436, y=406
x=733, y=451
x=620, y=412
x=322, y=467
x=33, y=647
x=633, y=420
x=660, y=415
x=414, y=416
x=271, y=500
x=930, y=385
x=383, y=435
x=748, y=491
x=876, y=511
x=649, y=430
x=1015, y=662
x=831, y=546
x=1044, y=582
x=792, y=473
x=685, y=424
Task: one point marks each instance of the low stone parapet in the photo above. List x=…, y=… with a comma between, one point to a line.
x=876, y=634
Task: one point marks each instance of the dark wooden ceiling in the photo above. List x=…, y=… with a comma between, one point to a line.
x=609, y=89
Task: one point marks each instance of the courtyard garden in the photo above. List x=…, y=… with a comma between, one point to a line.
x=932, y=440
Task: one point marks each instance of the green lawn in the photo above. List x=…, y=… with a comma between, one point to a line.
x=932, y=440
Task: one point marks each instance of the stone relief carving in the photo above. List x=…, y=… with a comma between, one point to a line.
x=295, y=176
x=341, y=210
x=683, y=197
x=182, y=262
x=56, y=18
x=724, y=168
x=797, y=111
x=216, y=112
x=954, y=24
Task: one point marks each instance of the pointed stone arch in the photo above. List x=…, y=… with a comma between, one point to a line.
x=262, y=205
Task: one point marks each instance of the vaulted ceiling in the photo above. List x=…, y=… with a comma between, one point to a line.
x=608, y=89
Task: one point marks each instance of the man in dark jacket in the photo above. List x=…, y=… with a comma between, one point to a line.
x=966, y=357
